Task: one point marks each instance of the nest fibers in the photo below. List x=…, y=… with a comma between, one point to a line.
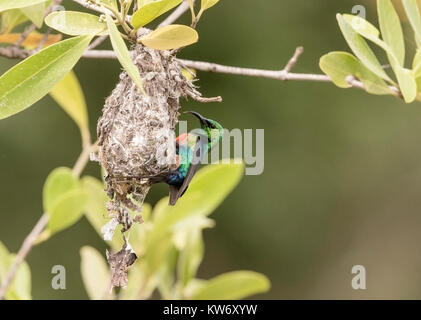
x=136, y=131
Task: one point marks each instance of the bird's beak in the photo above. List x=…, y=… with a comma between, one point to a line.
x=200, y=117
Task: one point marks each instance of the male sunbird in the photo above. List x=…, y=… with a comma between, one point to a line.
x=190, y=148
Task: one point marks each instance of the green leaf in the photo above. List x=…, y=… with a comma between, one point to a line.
x=95, y=210
x=11, y=19
x=391, y=29
x=33, y=78
x=360, y=47
x=413, y=13
x=16, y=4
x=339, y=65
x=123, y=54
x=59, y=182
x=206, y=4
x=416, y=64
x=69, y=95
x=405, y=77
x=150, y=11
x=5, y=261
x=370, y=32
x=20, y=288
x=208, y=189
x=165, y=278
x=64, y=200
x=170, y=37
x=407, y=84
x=95, y=273
x=67, y=210
x=35, y=13
x=191, y=257
x=21, y=285
x=76, y=23
x=233, y=285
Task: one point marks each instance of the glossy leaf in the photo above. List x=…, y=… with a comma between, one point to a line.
x=59, y=182
x=206, y=4
x=33, y=78
x=407, y=84
x=191, y=257
x=95, y=273
x=35, y=13
x=95, y=210
x=20, y=288
x=4, y=261
x=69, y=95
x=16, y=4
x=11, y=19
x=208, y=189
x=21, y=285
x=360, y=47
x=405, y=77
x=32, y=41
x=64, y=200
x=391, y=29
x=150, y=11
x=123, y=54
x=67, y=210
x=233, y=285
x=339, y=65
x=413, y=13
x=76, y=23
x=170, y=37
x=416, y=64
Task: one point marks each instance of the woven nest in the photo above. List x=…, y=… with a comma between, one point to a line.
x=136, y=131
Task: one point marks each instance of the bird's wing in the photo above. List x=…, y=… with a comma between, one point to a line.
x=175, y=192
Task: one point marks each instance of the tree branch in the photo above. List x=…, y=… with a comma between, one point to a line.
x=281, y=75
x=32, y=237
x=32, y=26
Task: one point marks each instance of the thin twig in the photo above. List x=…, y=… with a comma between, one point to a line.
x=281, y=75
x=218, y=68
x=294, y=59
x=28, y=30
x=43, y=40
x=97, y=42
x=32, y=237
x=177, y=13
x=101, y=54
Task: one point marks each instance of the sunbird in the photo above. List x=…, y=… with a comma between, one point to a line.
x=190, y=148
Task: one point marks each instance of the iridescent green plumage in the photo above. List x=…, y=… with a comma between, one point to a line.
x=191, y=148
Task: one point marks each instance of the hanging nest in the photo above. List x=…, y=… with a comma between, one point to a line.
x=136, y=140
x=136, y=131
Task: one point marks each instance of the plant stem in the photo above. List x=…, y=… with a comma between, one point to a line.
x=32, y=237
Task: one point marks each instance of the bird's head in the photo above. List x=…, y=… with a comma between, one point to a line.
x=213, y=129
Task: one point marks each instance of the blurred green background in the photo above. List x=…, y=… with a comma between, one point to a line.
x=342, y=178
